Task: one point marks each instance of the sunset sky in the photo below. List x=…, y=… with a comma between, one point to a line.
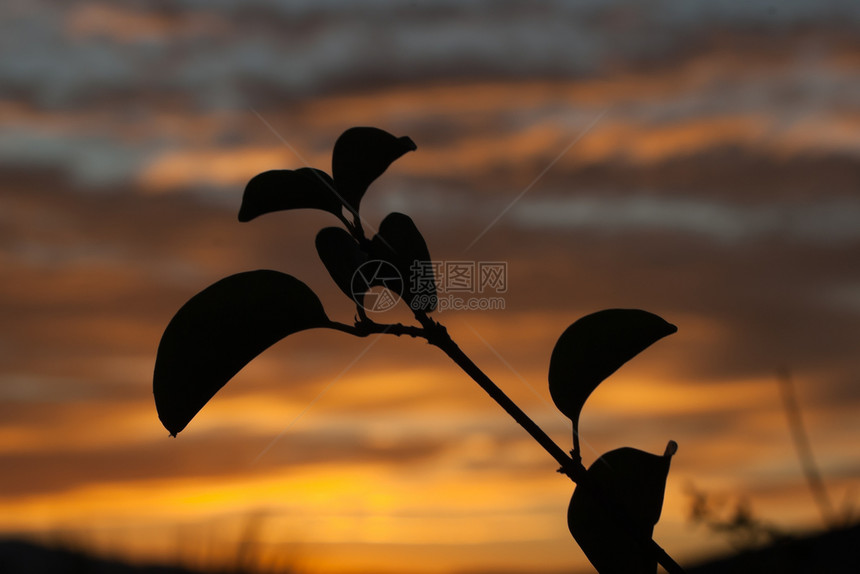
x=700, y=160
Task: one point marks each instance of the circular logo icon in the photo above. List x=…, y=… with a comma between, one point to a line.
x=376, y=273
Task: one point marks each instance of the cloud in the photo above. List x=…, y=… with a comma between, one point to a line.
x=824, y=222
x=217, y=51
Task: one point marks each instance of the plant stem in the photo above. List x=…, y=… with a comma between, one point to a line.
x=438, y=336
x=804, y=450
x=570, y=467
x=365, y=327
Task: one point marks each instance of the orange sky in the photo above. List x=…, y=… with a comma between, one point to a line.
x=716, y=187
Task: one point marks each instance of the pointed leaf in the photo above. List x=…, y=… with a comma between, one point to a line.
x=613, y=511
x=360, y=156
x=593, y=348
x=342, y=257
x=278, y=190
x=400, y=243
x=219, y=330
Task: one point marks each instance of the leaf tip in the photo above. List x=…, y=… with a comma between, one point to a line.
x=671, y=449
x=245, y=213
x=407, y=143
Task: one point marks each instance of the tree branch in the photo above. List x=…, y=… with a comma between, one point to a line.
x=437, y=335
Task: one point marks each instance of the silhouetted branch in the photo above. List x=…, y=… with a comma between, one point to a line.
x=219, y=330
x=364, y=327
x=438, y=336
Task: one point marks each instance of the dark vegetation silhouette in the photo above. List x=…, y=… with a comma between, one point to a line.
x=19, y=557
x=831, y=551
x=29, y=557
x=733, y=518
x=763, y=546
x=617, y=501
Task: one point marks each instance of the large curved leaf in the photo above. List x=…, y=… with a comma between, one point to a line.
x=593, y=348
x=278, y=190
x=399, y=242
x=361, y=155
x=219, y=330
x=342, y=257
x=613, y=511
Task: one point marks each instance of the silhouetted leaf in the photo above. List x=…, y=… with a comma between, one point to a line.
x=400, y=243
x=342, y=257
x=593, y=348
x=613, y=511
x=278, y=190
x=219, y=330
x=360, y=156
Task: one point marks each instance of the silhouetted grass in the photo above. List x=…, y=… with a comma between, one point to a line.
x=244, y=555
x=20, y=557
x=832, y=551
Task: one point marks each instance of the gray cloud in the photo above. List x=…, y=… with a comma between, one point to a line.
x=826, y=221
x=303, y=47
